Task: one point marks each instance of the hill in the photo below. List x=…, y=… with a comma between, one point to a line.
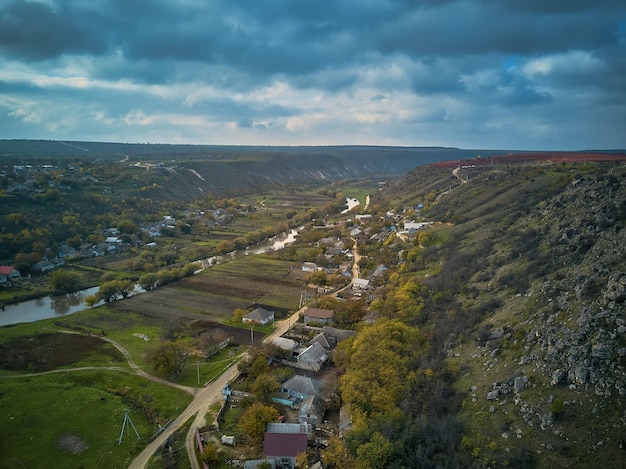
x=523, y=283
x=188, y=171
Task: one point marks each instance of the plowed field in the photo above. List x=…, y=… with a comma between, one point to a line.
x=215, y=293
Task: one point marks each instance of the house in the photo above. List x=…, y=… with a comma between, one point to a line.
x=10, y=272
x=302, y=387
x=313, y=357
x=380, y=271
x=285, y=343
x=413, y=225
x=259, y=316
x=317, y=315
x=66, y=251
x=330, y=252
x=309, y=267
x=360, y=284
x=284, y=446
x=43, y=266
x=324, y=340
x=311, y=411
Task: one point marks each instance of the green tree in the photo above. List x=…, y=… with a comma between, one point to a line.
x=264, y=387
x=210, y=455
x=169, y=357
x=149, y=281
x=114, y=289
x=375, y=453
x=254, y=420
x=64, y=281
x=91, y=300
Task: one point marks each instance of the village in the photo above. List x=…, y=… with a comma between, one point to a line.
x=310, y=409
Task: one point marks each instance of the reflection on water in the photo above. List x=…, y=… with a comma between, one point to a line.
x=51, y=306
x=62, y=304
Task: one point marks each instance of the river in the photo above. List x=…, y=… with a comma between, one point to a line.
x=60, y=305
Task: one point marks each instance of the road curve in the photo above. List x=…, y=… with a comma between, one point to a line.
x=212, y=393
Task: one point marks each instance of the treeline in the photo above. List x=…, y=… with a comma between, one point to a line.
x=115, y=289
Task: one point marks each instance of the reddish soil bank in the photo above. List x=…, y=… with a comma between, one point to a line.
x=536, y=157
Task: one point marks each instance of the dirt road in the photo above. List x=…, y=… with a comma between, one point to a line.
x=201, y=404
x=212, y=393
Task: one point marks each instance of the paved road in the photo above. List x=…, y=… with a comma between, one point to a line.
x=212, y=394
x=200, y=405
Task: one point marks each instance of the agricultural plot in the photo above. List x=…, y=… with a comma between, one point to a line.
x=174, y=302
x=217, y=292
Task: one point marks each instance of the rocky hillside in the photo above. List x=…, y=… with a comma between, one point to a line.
x=531, y=265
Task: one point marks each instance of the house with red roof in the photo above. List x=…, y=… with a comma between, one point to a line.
x=317, y=315
x=283, y=447
x=8, y=273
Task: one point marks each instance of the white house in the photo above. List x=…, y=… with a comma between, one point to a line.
x=259, y=316
x=414, y=225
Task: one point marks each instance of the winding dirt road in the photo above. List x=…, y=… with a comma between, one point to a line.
x=212, y=394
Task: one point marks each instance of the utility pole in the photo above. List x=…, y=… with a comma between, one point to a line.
x=126, y=424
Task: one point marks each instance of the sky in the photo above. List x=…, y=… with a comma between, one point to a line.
x=491, y=74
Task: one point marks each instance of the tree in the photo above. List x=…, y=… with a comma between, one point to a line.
x=254, y=420
x=64, y=281
x=265, y=386
x=375, y=453
x=318, y=277
x=149, y=281
x=379, y=366
x=210, y=455
x=169, y=357
x=113, y=289
x=108, y=276
x=302, y=460
x=238, y=314
x=336, y=454
x=91, y=300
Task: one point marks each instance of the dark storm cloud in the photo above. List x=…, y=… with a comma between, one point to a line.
x=35, y=31
x=326, y=71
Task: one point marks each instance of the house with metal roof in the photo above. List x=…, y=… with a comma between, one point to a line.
x=259, y=316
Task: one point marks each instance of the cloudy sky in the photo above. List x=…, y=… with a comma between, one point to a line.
x=504, y=74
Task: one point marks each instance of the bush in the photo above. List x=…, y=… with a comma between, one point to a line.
x=557, y=408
